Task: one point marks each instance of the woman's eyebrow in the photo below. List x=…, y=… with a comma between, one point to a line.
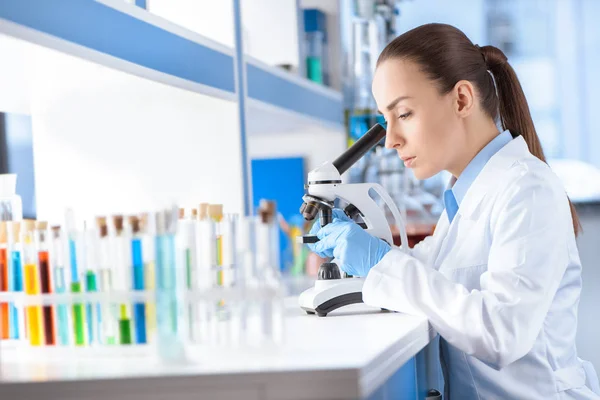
x=395, y=102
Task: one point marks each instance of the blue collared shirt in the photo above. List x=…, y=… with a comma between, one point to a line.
x=453, y=197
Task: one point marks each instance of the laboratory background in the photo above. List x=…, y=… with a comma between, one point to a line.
x=154, y=159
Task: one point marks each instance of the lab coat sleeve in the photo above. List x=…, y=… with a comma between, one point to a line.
x=499, y=323
x=422, y=250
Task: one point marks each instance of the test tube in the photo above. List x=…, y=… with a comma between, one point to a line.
x=4, y=279
x=109, y=311
x=207, y=260
x=228, y=249
x=229, y=310
x=170, y=346
x=60, y=285
x=186, y=258
x=93, y=311
x=33, y=314
x=245, y=270
x=268, y=235
x=271, y=308
x=139, y=308
x=148, y=223
x=249, y=241
x=6, y=236
x=246, y=251
x=17, y=320
x=45, y=280
x=263, y=242
x=74, y=257
x=122, y=264
x=215, y=212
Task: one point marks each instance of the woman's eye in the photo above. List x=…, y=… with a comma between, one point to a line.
x=405, y=115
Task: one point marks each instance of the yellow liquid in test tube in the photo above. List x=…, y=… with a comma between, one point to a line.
x=33, y=314
x=220, y=259
x=215, y=212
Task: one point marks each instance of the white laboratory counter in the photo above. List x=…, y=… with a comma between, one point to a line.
x=347, y=355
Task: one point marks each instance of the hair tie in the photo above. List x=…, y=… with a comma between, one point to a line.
x=492, y=56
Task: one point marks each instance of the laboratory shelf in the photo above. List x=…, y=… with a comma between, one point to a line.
x=125, y=37
x=279, y=88
x=267, y=119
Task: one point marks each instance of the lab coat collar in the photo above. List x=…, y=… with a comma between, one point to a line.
x=492, y=175
x=468, y=175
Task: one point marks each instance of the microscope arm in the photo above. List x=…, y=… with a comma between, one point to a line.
x=373, y=214
x=357, y=194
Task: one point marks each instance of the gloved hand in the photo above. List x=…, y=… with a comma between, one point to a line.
x=356, y=250
x=338, y=215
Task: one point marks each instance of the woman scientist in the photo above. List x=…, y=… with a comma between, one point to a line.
x=500, y=278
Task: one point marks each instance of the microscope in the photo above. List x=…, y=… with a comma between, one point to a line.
x=333, y=288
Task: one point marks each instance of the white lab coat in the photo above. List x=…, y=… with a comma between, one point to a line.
x=500, y=284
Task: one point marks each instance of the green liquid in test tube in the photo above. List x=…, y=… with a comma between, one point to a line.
x=78, y=308
x=124, y=325
x=90, y=287
x=123, y=277
x=314, y=69
x=78, y=317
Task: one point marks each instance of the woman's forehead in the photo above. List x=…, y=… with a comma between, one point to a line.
x=398, y=77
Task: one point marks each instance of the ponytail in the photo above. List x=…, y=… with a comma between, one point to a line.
x=446, y=56
x=514, y=110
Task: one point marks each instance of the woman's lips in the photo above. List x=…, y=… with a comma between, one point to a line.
x=409, y=161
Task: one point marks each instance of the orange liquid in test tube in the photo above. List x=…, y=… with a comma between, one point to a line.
x=4, y=320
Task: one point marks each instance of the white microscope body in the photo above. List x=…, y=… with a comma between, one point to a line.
x=332, y=290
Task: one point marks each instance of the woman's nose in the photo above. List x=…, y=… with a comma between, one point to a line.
x=393, y=138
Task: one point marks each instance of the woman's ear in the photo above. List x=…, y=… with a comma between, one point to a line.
x=464, y=98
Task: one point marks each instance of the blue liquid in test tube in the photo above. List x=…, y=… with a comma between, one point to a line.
x=16, y=285
x=139, y=309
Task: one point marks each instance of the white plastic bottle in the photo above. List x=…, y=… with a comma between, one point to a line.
x=11, y=206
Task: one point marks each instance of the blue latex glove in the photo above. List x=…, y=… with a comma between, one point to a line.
x=338, y=215
x=355, y=249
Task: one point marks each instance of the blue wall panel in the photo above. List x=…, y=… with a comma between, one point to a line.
x=400, y=386
x=282, y=180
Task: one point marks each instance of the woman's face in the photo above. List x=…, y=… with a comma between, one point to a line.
x=422, y=124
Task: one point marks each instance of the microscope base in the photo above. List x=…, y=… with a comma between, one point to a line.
x=331, y=294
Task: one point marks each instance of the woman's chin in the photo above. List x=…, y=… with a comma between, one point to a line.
x=423, y=173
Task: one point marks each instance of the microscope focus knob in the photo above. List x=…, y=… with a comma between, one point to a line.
x=329, y=271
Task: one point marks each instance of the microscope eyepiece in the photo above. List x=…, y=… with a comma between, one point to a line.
x=358, y=149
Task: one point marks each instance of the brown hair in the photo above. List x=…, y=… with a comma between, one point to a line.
x=446, y=56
